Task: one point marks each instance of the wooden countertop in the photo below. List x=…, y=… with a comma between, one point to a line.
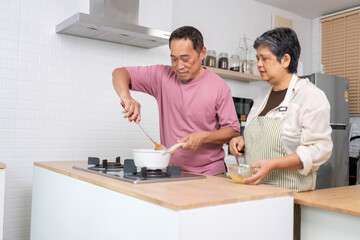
x=2, y=165
x=341, y=199
x=176, y=195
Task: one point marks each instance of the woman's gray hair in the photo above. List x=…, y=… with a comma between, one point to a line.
x=281, y=41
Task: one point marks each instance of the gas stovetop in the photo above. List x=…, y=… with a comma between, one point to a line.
x=130, y=173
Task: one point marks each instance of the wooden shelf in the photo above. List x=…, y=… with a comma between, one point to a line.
x=235, y=75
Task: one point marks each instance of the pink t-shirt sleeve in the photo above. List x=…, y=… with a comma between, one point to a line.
x=226, y=110
x=146, y=79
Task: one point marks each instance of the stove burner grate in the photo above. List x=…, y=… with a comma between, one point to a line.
x=144, y=174
x=105, y=164
x=130, y=171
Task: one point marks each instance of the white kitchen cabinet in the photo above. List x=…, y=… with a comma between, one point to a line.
x=2, y=193
x=319, y=223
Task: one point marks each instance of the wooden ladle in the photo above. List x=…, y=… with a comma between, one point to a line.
x=174, y=147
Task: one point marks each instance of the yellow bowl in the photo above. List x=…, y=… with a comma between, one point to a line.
x=240, y=172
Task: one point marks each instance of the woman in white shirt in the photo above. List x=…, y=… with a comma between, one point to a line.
x=288, y=134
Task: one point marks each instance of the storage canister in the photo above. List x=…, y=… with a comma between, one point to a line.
x=210, y=59
x=235, y=63
x=223, y=61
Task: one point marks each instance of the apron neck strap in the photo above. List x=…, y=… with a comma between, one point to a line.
x=290, y=89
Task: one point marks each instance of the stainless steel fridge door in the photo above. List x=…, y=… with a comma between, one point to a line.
x=336, y=90
x=335, y=172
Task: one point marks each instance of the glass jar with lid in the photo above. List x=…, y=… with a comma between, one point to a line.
x=210, y=59
x=235, y=63
x=223, y=61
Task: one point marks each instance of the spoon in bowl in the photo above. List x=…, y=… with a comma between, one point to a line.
x=237, y=158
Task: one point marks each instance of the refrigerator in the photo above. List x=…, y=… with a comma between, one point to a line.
x=335, y=172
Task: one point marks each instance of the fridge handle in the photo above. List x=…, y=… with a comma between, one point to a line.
x=340, y=126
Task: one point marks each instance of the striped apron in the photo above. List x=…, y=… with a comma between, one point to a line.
x=263, y=141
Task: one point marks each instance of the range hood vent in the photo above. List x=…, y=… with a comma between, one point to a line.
x=103, y=24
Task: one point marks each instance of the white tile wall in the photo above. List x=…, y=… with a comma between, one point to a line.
x=57, y=101
x=56, y=97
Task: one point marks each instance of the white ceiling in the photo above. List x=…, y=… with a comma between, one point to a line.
x=312, y=8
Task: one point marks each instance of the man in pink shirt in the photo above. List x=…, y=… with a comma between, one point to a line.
x=195, y=104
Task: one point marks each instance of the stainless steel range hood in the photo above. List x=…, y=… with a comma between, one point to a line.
x=113, y=21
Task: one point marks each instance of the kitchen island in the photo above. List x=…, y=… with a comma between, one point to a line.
x=72, y=204
x=332, y=213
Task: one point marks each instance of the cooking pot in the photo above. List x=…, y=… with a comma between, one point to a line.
x=151, y=159
x=154, y=159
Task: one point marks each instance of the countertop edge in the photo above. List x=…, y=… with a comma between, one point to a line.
x=325, y=207
x=289, y=193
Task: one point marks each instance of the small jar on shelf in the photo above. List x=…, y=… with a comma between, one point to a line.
x=244, y=66
x=210, y=59
x=223, y=61
x=235, y=63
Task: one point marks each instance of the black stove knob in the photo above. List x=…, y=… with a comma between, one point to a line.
x=93, y=161
x=117, y=159
x=105, y=163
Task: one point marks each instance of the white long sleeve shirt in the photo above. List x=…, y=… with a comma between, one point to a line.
x=306, y=128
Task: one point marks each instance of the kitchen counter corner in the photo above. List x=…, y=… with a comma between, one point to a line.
x=341, y=199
